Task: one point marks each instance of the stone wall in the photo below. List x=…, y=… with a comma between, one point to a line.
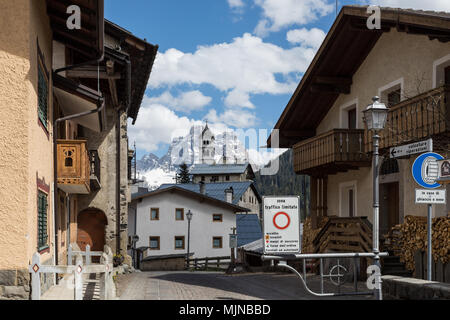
x=105, y=198
x=414, y=289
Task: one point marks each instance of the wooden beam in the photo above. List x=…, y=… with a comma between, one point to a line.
x=329, y=88
x=334, y=80
x=313, y=196
x=298, y=133
x=112, y=83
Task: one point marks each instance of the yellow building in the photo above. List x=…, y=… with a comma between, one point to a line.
x=66, y=95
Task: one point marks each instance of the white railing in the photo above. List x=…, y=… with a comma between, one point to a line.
x=78, y=270
x=88, y=254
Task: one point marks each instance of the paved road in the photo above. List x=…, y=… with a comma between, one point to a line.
x=216, y=286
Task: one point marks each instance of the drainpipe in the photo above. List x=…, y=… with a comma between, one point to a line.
x=100, y=107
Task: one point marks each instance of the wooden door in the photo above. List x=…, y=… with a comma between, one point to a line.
x=389, y=206
x=91, y=230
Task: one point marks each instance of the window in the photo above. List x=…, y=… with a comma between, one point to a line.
x=393, y=97
x=179, y=214
x=217, y=217
x=389, y=166
x=227, y=178
x=42, y=221
x=217, y=242
x=154, y=214
x=351, y=114
x=391, y=94
x=42, y=93
x=203, y=178
x=179, y=243
x=155, y=243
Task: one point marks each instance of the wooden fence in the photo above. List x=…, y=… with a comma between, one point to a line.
x=210, y=262
x=440, y=271
x=88, y=254
x=78, y=270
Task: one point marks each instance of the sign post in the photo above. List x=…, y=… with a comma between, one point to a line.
x=410, y=149
x=425, y=171
x=281, y=227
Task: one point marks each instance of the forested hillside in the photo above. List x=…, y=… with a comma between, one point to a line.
x=285, y=182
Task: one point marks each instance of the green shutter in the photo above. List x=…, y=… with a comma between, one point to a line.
x=42, y=221
x=42, y=97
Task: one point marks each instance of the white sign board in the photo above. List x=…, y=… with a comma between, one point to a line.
x=425, y=196
x=413, y=148
x=281, y=225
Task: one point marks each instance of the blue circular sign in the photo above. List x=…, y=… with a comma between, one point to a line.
x=425, y=170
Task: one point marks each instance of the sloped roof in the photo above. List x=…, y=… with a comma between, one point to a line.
x=344, y=49
x=248, y=228
x=255, y=246
x=219, y=169
x=191, y=193
x=217, y=190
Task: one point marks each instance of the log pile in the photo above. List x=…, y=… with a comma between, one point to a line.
x=309, y=234
x=411, y=236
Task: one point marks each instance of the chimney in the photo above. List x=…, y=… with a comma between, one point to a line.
x=202, y=188
x=229, y=195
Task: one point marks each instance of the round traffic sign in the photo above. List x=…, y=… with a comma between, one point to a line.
x=281, y=224
x=425, y=170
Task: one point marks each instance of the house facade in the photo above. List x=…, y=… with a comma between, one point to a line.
x=407, y=64
x=64, y=145
x=159, y=219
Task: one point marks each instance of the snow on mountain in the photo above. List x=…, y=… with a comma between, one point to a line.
x=157, y=171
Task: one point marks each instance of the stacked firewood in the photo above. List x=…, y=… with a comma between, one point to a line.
x=414, y=238
x=309, y=234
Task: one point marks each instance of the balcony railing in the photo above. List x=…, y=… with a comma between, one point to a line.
x=73, y=166
x=419, y=118
x=338, y=150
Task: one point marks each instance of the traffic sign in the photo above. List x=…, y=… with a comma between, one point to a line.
x=425, y=170
x=444, y=171
x=413, y=148
x=431, y=196
x=281, y=225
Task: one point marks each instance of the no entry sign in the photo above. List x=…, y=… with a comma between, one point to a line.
x=281, y=225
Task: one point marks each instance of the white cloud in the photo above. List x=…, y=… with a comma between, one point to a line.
x=278, y=14
x=185, y=102
x=232, y=118
x=247, y=65
x=236, y=3
x=436, y=5
x=312, y=38
x=158, y=124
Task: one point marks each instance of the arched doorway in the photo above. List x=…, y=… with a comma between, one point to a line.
x=91, y=229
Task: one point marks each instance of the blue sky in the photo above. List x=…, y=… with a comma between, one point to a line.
x=234, y=63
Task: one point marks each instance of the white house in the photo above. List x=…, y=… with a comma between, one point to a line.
x=159, y=220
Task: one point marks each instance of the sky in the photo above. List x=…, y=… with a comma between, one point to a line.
x=234, y=63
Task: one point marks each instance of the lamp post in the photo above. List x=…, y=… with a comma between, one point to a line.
x=189, y=218
x=375, y=118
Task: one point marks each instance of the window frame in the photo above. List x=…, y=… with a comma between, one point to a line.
x=157, y=214
x=184, y=242
x=158, y=238
x=182, y=214
x=221, y=242
x=217, y=214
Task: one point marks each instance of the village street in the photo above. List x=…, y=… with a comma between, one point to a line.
x=219, y=286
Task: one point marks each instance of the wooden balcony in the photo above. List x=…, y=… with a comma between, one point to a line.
x=73, y=166
x=424, y=116
x=338, y=150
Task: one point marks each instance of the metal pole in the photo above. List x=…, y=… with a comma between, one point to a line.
x=189, y=241
x=430, y=245
x=376, y=213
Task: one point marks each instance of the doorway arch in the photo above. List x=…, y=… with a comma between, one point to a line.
x=91, y=229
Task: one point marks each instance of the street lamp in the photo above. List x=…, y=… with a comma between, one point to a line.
x=189, y=218
x=375, y=118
